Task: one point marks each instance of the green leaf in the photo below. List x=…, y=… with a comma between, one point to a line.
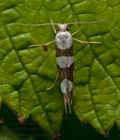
x=26, y=73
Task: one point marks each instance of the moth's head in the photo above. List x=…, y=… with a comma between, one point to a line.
x=62, y=27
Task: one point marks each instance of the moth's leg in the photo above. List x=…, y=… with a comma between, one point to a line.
x=49, y=88
x=86, y=42
x=65, y=104
x=77, y=31
x=54, y=29
x=45, y=46
x=69, y=107
x=91, y=22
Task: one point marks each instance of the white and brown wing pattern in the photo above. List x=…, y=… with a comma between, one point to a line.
x=65, y=63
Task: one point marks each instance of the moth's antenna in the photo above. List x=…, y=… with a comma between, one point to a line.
x=86, y=22
x=52, y=23
x=34, y=25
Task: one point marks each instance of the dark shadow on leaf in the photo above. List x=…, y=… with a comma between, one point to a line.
x=72, y=129
x=22, y=131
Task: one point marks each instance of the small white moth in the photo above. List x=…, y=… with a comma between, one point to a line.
x=65, y=63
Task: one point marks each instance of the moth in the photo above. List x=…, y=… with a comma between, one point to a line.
x=65, y=63
x=65, y=59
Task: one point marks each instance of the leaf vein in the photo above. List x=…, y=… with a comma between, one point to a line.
x=29, y=76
